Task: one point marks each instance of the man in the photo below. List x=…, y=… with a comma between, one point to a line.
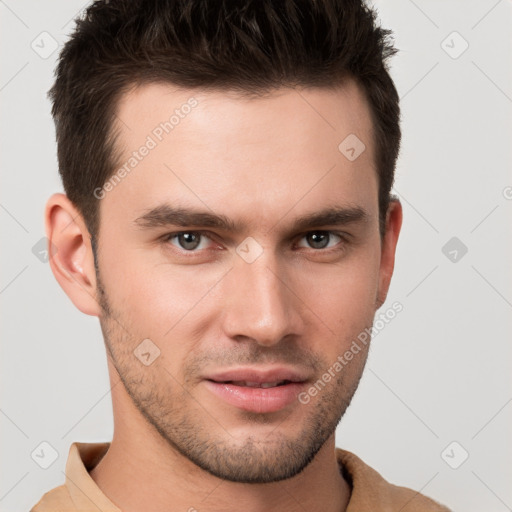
x=227, y=168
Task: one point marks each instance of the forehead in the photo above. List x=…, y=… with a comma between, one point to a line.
x=217, y=149
x=147, y=106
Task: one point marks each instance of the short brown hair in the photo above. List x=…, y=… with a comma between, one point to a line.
x=250, y=46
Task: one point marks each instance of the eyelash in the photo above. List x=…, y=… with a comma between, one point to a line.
x=169, y=236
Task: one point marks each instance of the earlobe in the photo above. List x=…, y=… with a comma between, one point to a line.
x=393, y=225
x=71, y=257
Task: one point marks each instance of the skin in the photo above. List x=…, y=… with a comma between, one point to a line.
x=263, y=162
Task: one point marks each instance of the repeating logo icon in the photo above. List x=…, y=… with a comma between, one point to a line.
x=146, y=352
x=44, y=45
x=454, y=249
x=40, y=250
x=249, y=250
x=351, y=147
x=44, y=455
x=454, y=45
x=455, y=455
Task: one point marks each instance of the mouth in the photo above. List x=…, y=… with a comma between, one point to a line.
x=259, y=391
x=248, y=384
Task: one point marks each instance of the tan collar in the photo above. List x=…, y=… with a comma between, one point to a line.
x=84, y=492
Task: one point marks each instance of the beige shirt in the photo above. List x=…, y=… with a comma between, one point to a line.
x=370, y=492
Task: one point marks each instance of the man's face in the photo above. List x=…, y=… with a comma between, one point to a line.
x=229, y=309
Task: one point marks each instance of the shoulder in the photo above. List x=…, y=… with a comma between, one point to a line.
x=55, y=500
x=370, y=491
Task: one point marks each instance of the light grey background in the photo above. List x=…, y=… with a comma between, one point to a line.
x=438, y=373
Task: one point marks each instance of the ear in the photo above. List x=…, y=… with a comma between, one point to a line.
x=389, y=242
x=71, y=257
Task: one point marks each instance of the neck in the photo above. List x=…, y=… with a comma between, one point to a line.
x=150, y=475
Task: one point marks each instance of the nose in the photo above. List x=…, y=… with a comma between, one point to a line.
x=261, y=302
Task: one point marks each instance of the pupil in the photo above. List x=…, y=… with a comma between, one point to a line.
x=316, y=242
x=190, y=240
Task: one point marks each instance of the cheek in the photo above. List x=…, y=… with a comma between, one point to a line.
x=135, y=291
x=346, y=304
x=179, y=295
x=142, y=283
x=348, y=289
x=169, y=304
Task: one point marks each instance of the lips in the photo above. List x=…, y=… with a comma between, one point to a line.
x=257, y=390
x=258, y=384
x=258, y=375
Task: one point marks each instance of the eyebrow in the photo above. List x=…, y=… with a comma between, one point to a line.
x=167, y=215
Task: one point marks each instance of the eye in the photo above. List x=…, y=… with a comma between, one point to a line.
x=321, y=239
x=187, y=240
